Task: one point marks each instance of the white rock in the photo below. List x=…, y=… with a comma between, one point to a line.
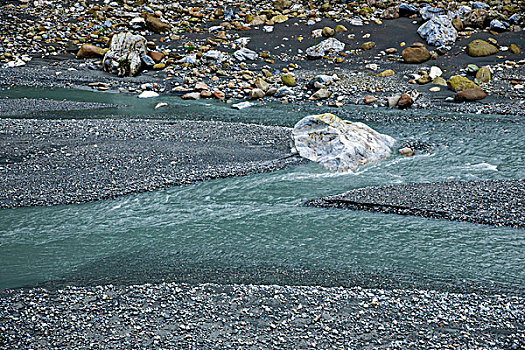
x=339, y=145
x=268, y=29
x=148, y=94
x=435, y=72
x=243, y=105
x=372, y=66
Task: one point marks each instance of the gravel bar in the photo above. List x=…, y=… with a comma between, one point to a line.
x=496, y=202
x=21, y=106
x=211, y=316
x=49, y=162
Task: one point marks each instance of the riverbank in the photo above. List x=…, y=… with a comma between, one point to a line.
x=50, y=162
x=198, y=54
x=210, y=316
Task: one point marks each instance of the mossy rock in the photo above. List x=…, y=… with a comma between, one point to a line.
x=514, y=49
x=369, y=45
x=386, y=73
x=288, y=80
x=483, y=74
x=481, y=48
x=439, y=81
x=279, y=18
x=458, y=83
x=328, y=32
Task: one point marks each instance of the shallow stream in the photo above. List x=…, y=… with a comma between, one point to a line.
x=255, y=230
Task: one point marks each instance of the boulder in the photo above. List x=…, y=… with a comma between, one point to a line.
x=484, y=74
x=458, y=83
x=406, y=151
x=328, y=32
x=369, y=45
x=321, y=94
x=497, y=26
x=256, y=94
x=470, y=95
x=156, y=56
x=438, y=31
x=405, y=101
x=439, y=81
x=340, y=28
x=279, y=18
x=417, y=53
x=369, y=99
x=244, y=54
x=156, y=25
x=476, y=18
x=90, y=51
x=407, y=10
x=481, y=48
x=282, y=4
x=390, y=13
x=435, y=72
x=124, y=55
x=260, y=83
x=324, y=47
x=386, y=73
x=288, y=80
x=339, y=145
x=514, y=49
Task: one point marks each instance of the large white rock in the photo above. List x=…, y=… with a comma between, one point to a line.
x=124, y=55
x=326, y=46
x=339, y=145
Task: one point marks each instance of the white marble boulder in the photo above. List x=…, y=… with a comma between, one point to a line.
x=339, y=145
x=124, y=57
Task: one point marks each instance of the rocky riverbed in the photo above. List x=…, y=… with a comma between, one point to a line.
x=265, y=51
x=211, y=316
x=49, y=162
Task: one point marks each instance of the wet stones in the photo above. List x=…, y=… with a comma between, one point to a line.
x=405, y=101
x=369, y=45
x=416, y=53
x=288, y=80
x=90, y=51
x=481, y=48
x=470, y=95
x=459, y=83
x=124, y=55
x=156, y=25
x=484, y=74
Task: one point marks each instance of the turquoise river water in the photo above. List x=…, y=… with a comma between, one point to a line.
x=255, y=230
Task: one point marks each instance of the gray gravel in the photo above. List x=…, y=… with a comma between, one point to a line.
x=23, y=106
x=497, y=202
x=210, y=316
x=49, y=162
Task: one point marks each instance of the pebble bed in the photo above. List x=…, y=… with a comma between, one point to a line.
x=49, y=162
x=496, y=202
x=210, y=316
x=23, y=106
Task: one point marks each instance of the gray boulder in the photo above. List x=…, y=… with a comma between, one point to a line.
x=339, y=145
x=438, y=31
x=124, y=55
